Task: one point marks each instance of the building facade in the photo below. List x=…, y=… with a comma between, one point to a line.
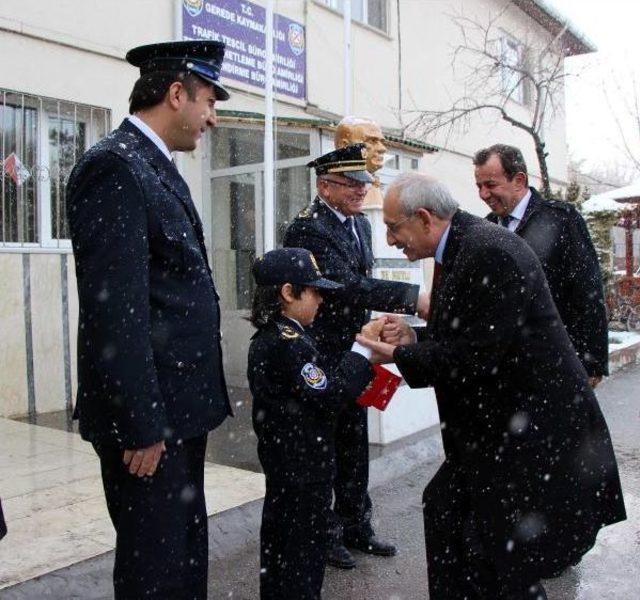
x=64, y=83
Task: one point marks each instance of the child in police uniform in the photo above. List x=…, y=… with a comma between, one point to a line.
x=296, y=396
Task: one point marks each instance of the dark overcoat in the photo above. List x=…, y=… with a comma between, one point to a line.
x=558, y=235
x=149, y=356
x=297, y=394
x=346, y=310
x=519, y=420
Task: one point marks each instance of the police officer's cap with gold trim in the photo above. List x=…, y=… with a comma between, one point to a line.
x=349, y=161
x=200, y=57
x=290, y=265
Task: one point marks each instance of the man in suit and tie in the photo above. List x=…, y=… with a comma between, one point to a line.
x=334, y=229
x=529, y=476
x=150, y=380
x=558, y=235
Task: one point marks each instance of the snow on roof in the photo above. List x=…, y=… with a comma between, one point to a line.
x=613, y=200
x=551, y=19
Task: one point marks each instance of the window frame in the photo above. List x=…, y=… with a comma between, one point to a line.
x=364, y=8
x=41, y=171
x=522, y=95
x=257, y=169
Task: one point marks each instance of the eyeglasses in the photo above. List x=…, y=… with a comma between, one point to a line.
x=356, y=185
x=393, y=227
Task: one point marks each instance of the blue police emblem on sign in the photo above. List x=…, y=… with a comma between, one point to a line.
x=314, y=376
x=194, y=7
x=296, y=38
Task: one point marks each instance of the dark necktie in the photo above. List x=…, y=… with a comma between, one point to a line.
x=506, y=220
x=435, y=284
x=349, y=225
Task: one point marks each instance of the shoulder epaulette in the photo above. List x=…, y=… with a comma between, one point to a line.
x=558, y=204
x=287, y=332
x=306, y=213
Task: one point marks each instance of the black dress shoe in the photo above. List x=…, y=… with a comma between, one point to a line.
x=371, y=545
x=340, y=557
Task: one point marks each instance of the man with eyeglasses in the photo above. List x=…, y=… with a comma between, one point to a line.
x=334, y=229
x=529, y=476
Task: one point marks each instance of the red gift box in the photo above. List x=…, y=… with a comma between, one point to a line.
x=380, y=391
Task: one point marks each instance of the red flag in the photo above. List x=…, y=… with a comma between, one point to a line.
x=380, y=391
x=13, y=167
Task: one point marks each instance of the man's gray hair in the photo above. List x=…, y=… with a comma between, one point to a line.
x=416, y=190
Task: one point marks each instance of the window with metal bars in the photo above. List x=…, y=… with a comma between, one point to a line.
x=40, y=141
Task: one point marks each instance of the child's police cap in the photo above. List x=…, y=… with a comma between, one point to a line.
x=349, y=161
x=290, y=265
x=200, y=57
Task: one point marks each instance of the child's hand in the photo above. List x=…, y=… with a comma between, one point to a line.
x=373, y=329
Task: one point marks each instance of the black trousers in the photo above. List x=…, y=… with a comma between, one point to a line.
x=456, y=563
x=351, y=516
x=3, y=525
x=294, y=540
x=160, y=523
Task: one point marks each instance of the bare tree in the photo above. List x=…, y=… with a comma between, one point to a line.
x=602, y=177
x=624, y=101
x=521, y=80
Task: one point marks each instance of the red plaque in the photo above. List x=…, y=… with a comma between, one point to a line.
x=380, y=391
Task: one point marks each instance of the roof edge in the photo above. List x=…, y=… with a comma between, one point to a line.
x=409, y=144
x=542, y=12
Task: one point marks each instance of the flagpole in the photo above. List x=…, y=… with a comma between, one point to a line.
x=269, y=207
x=347, y=57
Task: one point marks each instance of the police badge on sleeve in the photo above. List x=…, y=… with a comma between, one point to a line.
x=314, y=376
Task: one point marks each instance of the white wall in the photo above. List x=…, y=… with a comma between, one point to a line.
x=74, y=50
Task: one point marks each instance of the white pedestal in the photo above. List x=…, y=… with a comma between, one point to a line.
x=408, y=412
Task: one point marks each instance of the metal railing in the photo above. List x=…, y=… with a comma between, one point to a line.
x=40, y=141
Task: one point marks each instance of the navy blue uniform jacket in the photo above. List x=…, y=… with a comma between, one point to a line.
x=558, y=235
x=345, y=311
x=297, y=394
x=149, y=356
x=519, y=419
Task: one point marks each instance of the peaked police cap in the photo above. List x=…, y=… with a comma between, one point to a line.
x=200, y=57
x=349, y=161
x=290, y=265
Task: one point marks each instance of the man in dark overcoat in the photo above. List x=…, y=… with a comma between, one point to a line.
x=150, y=379
x=529, y=475
x=334, y=229
x=558, y=235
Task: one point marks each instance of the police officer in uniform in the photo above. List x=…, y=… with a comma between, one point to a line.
x=150, y=380
x=297, y=394
x=334, y=229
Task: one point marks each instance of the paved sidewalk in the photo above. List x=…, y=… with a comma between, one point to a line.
x=54, y=505
x=610, y=571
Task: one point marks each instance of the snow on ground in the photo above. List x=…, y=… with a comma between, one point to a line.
x=622, y=339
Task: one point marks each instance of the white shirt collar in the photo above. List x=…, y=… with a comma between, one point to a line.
x=151, y=134
x=336, y=212
x=442, y=244
x=295, y=321
x=521, y=207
